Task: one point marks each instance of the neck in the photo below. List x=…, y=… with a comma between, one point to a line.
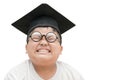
x=46, y=72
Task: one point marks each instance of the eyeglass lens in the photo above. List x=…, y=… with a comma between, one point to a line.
x=37, y=36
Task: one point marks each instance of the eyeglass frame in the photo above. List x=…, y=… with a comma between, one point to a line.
x=44, y=35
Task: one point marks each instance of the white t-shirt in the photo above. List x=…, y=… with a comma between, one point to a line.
x=26, y=71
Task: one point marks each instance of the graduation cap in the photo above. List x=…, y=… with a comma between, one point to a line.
x=43, y=15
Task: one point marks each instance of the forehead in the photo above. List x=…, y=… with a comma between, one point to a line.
x=44, y=29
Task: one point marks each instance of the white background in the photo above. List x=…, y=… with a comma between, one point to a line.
x=92, y=47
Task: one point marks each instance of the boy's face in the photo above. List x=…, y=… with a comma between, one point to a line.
x=43, y=52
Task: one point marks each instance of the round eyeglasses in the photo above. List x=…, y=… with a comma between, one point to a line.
x=37, y=36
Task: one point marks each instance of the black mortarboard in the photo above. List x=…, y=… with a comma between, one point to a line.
x=43, y=15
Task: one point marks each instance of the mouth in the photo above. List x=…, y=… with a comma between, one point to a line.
x=43, y=51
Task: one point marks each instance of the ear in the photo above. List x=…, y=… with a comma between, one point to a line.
x=61, y=49
x=26, y=48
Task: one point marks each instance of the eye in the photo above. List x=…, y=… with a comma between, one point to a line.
x=35, y=36
x=51, y=37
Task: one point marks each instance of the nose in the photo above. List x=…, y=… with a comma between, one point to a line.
x=43, y=41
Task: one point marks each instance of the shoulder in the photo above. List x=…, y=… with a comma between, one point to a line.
x=68, y=70
x=18, y=71
x=66, y=67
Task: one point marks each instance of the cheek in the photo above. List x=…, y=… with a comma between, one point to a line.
x=56, y=49
x=31, y=48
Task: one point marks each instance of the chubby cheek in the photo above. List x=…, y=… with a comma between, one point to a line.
x=30, y=49
x=56, y=50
